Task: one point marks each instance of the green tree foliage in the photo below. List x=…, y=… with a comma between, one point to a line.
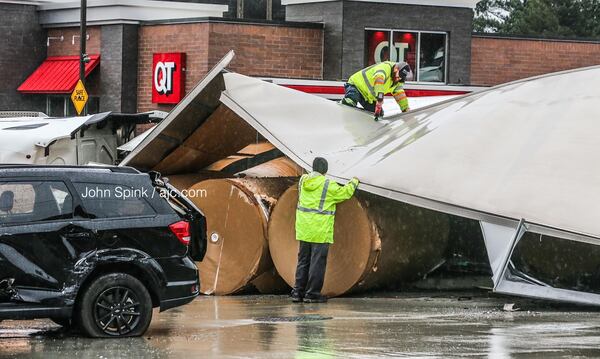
x=552, y=18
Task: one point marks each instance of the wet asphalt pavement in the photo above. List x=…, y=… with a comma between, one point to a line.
x=406, y=325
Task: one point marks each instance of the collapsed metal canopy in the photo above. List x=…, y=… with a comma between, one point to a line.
x=517, y=157
x=513, y=152
x=196, y=133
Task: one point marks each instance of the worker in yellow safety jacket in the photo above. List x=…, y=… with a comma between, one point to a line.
x=315, y=215
x=370, y=85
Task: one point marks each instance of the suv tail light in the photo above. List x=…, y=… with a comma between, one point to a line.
x=181, y=229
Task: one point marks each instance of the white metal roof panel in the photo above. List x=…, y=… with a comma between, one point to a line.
x=520, y=150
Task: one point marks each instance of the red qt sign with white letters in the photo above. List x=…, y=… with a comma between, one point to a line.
x=168, y=77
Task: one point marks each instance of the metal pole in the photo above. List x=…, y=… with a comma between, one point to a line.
x=269, y=9
x=240, y=9
x=82, y=41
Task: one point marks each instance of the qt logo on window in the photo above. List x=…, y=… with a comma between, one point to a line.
x=168, y=77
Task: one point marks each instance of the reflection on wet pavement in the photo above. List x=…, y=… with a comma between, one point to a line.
x=411, y=325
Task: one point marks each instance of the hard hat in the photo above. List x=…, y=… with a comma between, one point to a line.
x=405, y=72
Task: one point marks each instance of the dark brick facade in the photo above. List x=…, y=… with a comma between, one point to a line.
x=345, y=23
x=496, y=60
x=22, y=50
x=118, y=68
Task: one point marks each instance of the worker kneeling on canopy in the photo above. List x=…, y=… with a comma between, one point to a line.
x=369, y=86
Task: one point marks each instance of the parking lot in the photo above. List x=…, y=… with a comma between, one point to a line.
x=427, y=324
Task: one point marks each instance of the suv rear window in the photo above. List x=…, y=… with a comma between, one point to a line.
x=111, y=201
x=36, y=201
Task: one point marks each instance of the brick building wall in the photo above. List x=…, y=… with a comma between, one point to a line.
x=67, y=47
x=115, y=79
x=270, y=50
x=496, y=60
x=273, y=51
x=331, y=15
x=189, y=38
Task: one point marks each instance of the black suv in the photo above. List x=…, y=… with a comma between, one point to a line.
x=95, y=247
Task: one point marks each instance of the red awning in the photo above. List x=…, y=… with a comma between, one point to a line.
x=57, y=75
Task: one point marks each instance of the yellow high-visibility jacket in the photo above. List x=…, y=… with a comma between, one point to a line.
x=377, y=79
x=317, y=199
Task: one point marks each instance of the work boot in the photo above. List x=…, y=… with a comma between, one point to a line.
x=296, y=297
x=312, y=298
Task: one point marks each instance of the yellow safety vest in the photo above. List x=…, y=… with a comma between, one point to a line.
x=377, y=79
x=317, y=199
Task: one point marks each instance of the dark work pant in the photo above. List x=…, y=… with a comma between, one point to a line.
x=310, y=272
x=352, y=93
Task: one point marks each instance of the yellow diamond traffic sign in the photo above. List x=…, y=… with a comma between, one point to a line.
x=79, y=97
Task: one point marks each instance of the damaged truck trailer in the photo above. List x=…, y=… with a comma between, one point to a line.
x=511, y=157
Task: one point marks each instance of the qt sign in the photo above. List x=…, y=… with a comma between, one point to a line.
x=168, y=77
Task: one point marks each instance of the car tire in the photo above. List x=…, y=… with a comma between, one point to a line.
x=114, y=305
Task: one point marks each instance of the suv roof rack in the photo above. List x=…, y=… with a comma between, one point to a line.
x=115, y=169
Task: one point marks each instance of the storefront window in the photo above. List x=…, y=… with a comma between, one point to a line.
x=378, y=46
x=405, y=48
x=433, y=54
x=55, y=106
x=428, y=66
x=62, y=106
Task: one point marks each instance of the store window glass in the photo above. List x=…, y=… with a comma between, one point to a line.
x=424, y=52
x=405, y=48
x=92, y=106
x=432, y=64
x=378, y=46
x=70, y=108
x=55, y=106
x=62, y=106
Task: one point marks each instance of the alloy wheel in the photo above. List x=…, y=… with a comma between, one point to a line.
x=117, y=311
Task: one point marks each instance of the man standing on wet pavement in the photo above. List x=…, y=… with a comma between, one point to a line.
x=315, y=216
